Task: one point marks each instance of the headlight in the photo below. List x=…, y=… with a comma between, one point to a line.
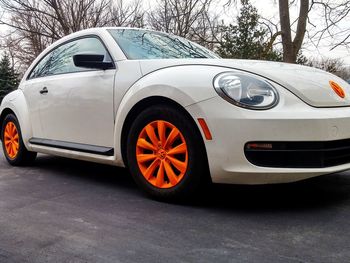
x=246, y=90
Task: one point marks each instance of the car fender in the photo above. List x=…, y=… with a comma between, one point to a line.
x=16, y=102
x=186, y=85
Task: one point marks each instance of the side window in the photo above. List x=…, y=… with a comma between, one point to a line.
x=62, y=57
x=42, y=68
x=60, y=60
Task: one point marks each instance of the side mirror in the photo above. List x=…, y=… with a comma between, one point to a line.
x=91, y=61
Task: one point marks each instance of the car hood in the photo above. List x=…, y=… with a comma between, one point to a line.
x=309, y=84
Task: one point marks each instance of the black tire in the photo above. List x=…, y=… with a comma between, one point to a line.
x=195, y=178
x=23, y=157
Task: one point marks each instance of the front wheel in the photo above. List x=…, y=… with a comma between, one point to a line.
x=12, y=143
x=165, y=154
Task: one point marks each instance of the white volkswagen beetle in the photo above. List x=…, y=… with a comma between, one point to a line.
x=176, y=114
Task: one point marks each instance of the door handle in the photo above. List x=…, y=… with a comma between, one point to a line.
x=44, y=91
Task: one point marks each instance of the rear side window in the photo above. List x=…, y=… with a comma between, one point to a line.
x=60, y=60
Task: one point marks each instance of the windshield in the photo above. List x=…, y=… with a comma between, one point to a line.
x=144, y=44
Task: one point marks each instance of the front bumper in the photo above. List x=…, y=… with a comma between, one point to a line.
x=290, y=121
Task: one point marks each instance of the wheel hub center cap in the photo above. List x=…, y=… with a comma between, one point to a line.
x=162, y=154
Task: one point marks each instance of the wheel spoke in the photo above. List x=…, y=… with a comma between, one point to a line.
x=152, y=135
x=14, y=148
x=161, y=131
x=145, y=145
x=16, y=144
x=171, y=138
x=170, y=173
x=160, y=175
x=8, y=127
x=181, y=166
x=10, y=150
x=181, y=148
x=7, y=130
x=150, y=170
x=13, y=128
x=145, y=157
x=7, y=135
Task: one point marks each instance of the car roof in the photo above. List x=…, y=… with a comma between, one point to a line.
x=99, y=29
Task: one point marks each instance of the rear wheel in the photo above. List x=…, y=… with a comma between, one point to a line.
x=165, y=153
x=12, y=143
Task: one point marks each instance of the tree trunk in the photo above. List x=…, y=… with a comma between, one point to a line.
x=286, y=32
x=291, y=47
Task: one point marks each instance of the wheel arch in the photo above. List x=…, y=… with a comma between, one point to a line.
x=15, y=103
x=143, y=104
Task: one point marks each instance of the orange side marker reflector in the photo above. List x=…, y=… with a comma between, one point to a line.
x=337, y=89
x=205, y=129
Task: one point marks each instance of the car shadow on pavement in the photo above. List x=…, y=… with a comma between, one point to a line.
x=82, y=170
x=316, y=193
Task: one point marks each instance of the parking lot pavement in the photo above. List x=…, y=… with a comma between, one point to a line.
x=62, y=210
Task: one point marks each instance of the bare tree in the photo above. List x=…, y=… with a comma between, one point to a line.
x=332, y=65
x=186, y=18
x=56, y=18
x=208, y=30
x=36, y=24
x=330, y=14
x=131, y=14
x=334, y=13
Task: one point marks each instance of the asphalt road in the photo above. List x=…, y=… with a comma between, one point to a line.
x=64, y=210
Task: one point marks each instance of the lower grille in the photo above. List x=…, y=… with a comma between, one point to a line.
x=298, y=154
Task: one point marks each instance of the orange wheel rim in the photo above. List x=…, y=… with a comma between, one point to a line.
x=161, y=154
x=11, y=140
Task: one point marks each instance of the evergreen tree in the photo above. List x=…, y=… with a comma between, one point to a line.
x=8, y=78
x=247, y=39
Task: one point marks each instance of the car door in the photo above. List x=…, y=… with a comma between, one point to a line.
x=32, y=93
x=76, y=104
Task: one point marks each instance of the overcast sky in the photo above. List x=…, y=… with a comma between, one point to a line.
x=269, y=9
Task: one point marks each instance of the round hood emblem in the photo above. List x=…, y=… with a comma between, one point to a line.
x=337, y=89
